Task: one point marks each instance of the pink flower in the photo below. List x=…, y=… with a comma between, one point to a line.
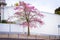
x=30, y=15
x=27, y=9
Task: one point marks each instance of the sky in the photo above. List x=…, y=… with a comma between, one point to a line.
x=42, y=5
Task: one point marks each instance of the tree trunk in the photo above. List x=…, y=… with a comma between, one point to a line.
x=28, y=30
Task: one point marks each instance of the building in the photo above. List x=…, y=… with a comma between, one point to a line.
x=2, y=4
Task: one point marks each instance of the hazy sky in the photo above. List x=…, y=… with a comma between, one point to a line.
x=42, y=5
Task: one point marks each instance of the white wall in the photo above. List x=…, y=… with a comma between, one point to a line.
x=51, y=24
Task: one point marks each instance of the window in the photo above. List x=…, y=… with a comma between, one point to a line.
x=58, y=26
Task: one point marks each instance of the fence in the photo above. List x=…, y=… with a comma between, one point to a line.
x=12, y=31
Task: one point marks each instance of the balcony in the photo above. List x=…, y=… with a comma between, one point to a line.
x=2, y=2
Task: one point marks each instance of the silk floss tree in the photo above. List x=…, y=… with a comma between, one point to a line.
x=28, y=14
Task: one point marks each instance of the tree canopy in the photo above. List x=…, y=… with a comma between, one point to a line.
x=57, y=11
x=28, y=15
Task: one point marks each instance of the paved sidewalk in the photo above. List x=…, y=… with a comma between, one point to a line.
x=18, y=39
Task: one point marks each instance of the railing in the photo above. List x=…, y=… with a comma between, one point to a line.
x=9, y=28
x=8, y=31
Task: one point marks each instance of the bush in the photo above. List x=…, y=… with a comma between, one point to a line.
x=4, y=21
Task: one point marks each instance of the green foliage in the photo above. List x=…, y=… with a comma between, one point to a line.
x=57, y=11
x=3, y=21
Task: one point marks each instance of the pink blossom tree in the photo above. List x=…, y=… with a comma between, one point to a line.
x=29, y=15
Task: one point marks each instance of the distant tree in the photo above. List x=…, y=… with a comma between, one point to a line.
x=28, y=14
x=57, y=11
